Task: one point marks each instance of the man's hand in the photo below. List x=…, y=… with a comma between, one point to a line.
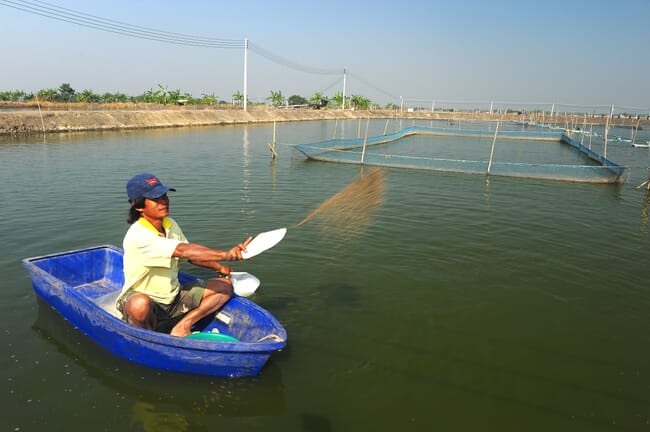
x=234, y=254
x=223, y=269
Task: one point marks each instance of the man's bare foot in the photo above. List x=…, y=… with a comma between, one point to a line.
x=180, y=330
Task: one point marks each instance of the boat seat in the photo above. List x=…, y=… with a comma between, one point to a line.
x=107, y=302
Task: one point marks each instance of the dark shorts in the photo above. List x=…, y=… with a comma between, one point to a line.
x=167, y=316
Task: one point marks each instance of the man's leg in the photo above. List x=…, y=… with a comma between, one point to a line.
x=139, y=310
x=217, y=292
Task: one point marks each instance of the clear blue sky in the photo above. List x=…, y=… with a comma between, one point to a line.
x=566, y=52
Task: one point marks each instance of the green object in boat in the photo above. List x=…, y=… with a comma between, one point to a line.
x=217, y=337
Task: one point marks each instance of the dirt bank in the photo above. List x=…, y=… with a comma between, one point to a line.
x=33, y=121
x=26, y=121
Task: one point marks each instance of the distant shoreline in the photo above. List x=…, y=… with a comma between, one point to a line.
x=17, y=120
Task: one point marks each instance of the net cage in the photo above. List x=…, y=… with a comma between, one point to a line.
x=471, y=151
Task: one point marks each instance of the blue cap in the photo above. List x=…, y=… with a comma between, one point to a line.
x=146, y=185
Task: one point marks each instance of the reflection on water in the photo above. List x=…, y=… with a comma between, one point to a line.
x=144, y=415
x=644, y=211
x=166, y=400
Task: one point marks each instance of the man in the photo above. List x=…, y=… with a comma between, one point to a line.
x=152, y=297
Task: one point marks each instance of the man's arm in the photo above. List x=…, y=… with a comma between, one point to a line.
x=197, y=253
x=214, y=265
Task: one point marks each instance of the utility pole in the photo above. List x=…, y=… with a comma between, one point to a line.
x=345, y=76
x=245, y=73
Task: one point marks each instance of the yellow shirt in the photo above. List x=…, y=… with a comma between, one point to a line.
x=149, y=266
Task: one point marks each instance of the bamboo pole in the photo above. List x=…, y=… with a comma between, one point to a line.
x=40, y=113
x=635, y=130
x=365, y=138
x=494, y=140
x=645, y=183
x=274, y=154
x=606, y=133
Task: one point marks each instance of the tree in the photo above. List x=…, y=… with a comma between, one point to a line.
x=297, y=100
x=359, y=102
x=114, y=97
x=316, y=98
x=276, y=98
x=88, y=96
x=174, y=95
x=338, y=99
x=65, y=93
x=47, y=95
x=318, y=101
x=238, y=98
x=146, y=97
x=15, y=96
x=162, y=94
x=208, y=99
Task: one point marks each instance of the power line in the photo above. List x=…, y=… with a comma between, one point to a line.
x=58, y=13
x=338, y=80
x=290, y=64
x=373, y=86
x=52, y=11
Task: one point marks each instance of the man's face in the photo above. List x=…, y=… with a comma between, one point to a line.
x=156, y=208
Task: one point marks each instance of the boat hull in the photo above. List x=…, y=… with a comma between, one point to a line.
x=72, y=282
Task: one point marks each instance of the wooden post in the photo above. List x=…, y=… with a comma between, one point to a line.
x=38, y=103
x=272, y=145
x=606, y=133
x=494, y=140
x=645, y=183
x=363, y=152
x=635, y=130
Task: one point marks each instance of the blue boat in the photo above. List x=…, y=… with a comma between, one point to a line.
x=82, y=286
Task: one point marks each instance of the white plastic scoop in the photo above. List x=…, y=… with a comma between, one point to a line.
x=263, y=241
x=244, y=284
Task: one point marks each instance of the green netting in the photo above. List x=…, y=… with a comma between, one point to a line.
x=385, y=151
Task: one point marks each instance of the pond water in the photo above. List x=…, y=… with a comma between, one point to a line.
x=465, y=302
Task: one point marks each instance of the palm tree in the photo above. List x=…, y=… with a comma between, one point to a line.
x=88, y=96
x=276, y=98
x=237, y=98
x=338, y=99
x=147, y=96
x=208, y=99
x=174, y=95
x=162, y=94
x=358, y=101
x=316, y=98
x=47, y=95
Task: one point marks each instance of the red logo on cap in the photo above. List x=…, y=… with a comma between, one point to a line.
x=152, y=181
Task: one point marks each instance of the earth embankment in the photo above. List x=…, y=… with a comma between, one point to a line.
x=48, y=121
x=27, y=121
